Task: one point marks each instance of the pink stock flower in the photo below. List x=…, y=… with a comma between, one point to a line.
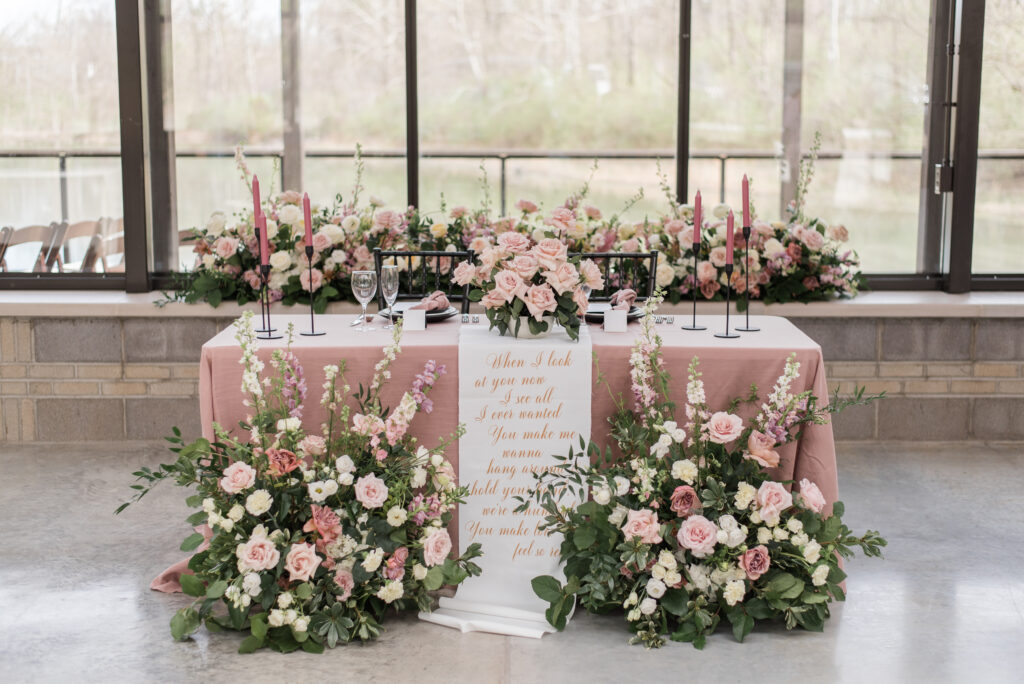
x=367, y=425
x=755, y=562
x=238, y=477
x=371, y=491
x=436, y=547
x=685, y=501
x=759, y=448
x=811, y=497
x=699, y=535
x=643, y=524
x=257, y=554
x=723, y=427
x=459, y=212
x=772, y=500
x=301, y=562
x=343, y=578
x=540, y=299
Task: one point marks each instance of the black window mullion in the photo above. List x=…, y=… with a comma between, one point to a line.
x=412, y=141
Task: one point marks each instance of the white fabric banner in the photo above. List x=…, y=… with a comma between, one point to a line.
x=521, y=401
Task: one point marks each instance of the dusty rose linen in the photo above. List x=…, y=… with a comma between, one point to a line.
x=729, y=368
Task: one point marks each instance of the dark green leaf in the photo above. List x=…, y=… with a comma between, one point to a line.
x=191, y=585
x=547, y=588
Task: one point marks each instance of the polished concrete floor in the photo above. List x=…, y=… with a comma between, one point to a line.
x=946, y=604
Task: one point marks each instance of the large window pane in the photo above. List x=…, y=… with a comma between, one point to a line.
x=999, y=204
x=58, y=64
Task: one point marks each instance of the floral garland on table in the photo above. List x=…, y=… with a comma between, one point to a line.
x=687, y=531
x=802, y=259
x=315, y=537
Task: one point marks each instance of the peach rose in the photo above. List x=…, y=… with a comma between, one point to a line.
x=759, y=448
x=525, y=265
x=772, y=500
x=591, y=273
x=755, y=562
x=317, y=276
x=479, y=244
x=515, y=243
x=706, y=272
x=225, y=247
x=301, y=562
x=489, y=258
x=723, y=427
x=698, y=535
x=560, y=219
x=324, y=522
x=526, y=206
x=631, y=245
x=643, y=524
x=259, y=553
x=811, y=497
x=237, y=478
x=464, y=273
x=563, y=278
x=509, y=285
x=685, y=501
x=540, y=299
x=371, y=491
x=550, y=253
x=580, y=300
x=494, y=299
x=436, y=547
x=282, y=462
x=343, y=578
x=387, y=220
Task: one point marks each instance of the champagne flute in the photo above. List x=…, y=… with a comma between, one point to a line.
x=389, y=288
x=364, y=287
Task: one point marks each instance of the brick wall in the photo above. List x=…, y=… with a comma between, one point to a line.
x=69, y=379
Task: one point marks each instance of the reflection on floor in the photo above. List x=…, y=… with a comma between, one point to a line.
x=945, y=605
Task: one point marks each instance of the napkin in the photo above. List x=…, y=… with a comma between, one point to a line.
x=435, y=301
x=623, y=300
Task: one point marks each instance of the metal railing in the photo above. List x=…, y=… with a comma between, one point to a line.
x=723, y=157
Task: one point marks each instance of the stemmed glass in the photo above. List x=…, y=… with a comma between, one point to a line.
x=364, y=287
x=389, y=288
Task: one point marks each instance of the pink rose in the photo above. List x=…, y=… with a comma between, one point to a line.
x=794, y=250
x=515, y=243
x=580, y=300
x=317, y=275
x=371, y=491
x=592, y=213
x=387, y=220
x=563, y=278
x=343, y=578
x=225, y=247
x=813, y=239
x=772, y=500
x=363, y=257
x=540, y=299
x=525, y=265
x=759, y=448
x=643, y=524
x=479, y=244
x=237, y=477
x=321, y=242
x=394, y=569
x=755, y=562
x=699, y=535
x=281, y=461
x=723, y=427
x=259, y=553
x=717, y=256
x=252, y=279
x=811, y=497
x=301, y=562
x=290, y=197
x=509, y=284
x=550, y=253
x=763, y=228
x=464, y=273
x=490, y=257
x=560, y=219
x=325, y=523
x=436, y=547
x=459, y=212
x=837, y=233
x=685, y=237
x=685, y=501
x=675, y=226
x=591, y=273
x=811, y=283
x=313, y=445
x=526, y=206
x=494, y=299
x=631, y=245
x=706, y=272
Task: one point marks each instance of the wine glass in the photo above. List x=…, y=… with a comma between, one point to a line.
x=389, y=288
x=364, y=287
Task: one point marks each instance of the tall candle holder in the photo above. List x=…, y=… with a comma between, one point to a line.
x=267, y=334
x=264, y=309
x=312, y=332
x=746, y=273
x=727, y=335
x=693, y=325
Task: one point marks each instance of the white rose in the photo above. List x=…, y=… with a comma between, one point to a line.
x=720, y=211
x=251, y=584
x=350, y=223
x=226, y=524
x=290, y=616
x=280, y=261
x=664, y=275
x=236, y=512
x=672, y=578
x=655, y=588
x=331, y=487
x=277, y=280
x=419, y=572
x=685, y=470
x=344, y=464
x=618, y=515
x=345, y=479
x=290, y=215
x=209, y=506
x=812, y=552
x=284, y=600
x=800, y=539
x=373, y=560
x=666, y=559
x=621, y=485
x=764, y=535
x=436, y=460
x=795, y=525
x=820, y=575
x=734, y=592
x=658, y=571
x=633, y=615
x=301, y=624
x=648, y=606
x=781, y=534
x=538, y=235
x=209, y=261
x=276, y=618
x=773, y=248
x=216, y=223
x=396, y=516
x=335, y=234
x=602, y=495
x=272, y=228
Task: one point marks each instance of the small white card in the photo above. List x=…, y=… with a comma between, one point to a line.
x=614, y=321
x=414, y=319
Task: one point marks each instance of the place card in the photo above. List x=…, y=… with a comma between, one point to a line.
x=614, y=321
x=414, y=319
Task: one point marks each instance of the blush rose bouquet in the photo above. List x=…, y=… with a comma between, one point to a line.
x=309, y=539
x=685, y=529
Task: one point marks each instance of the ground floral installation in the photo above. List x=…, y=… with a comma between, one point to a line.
x=315, y=537
x=686, y=530
x=801, y=259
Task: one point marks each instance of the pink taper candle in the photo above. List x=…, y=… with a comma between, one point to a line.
x=307, y=219
x=264, y=243
x=746, y=202
x=255, y=198
x=728, y=238
x=696, y=219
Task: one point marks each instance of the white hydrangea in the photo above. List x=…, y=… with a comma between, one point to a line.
x=648, y=606
x=745, y=495
x=373, y=560
x=397, y=516
x=820, y=575
x=685, y=470
x=391, y=592
x=655, y=587
x=734, y=592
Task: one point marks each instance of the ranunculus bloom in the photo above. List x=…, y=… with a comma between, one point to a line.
x=301, y=562
x=515, y=243
x=436, y=547
x=811, y=497
x=550, y=253
x=685, y=501
x=281, y=461
x=563, y=278
x=755, y=562
x=343, y=578
x=371, y=491
x=259, y=553
x=772, y=500
x=698, y=535
x=723, y=427
x=237, y=478
x=525, y=265
x=509, y=284
x=643, y=524
x=540, y=299
x=759, y=448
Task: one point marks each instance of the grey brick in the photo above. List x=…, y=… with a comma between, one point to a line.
x=998, y=419
x=855, y=423
x=166, y=339
x=999, y=339
x=73, y=420
x=154, y=418
x=77, y=339
x=923, y=419
x=924, y=339
x=842, y=339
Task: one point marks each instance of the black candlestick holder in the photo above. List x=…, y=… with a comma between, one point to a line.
x=312, y=332
x=746, y=327
x=268, y=332
x=728, y=279
x=264, y=308
x=693, y=325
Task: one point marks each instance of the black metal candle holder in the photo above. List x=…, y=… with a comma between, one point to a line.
x=728, y=279
x=268, y=333
x=264, y=309
x=312, y=332
x=693, y=325
x=746, y=272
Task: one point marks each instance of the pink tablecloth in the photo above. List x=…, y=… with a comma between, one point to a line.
x=729, y=367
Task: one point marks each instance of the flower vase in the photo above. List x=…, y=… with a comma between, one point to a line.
x=524, y=329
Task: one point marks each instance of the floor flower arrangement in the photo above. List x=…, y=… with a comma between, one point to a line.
x=312, y=539
x=685, y=531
